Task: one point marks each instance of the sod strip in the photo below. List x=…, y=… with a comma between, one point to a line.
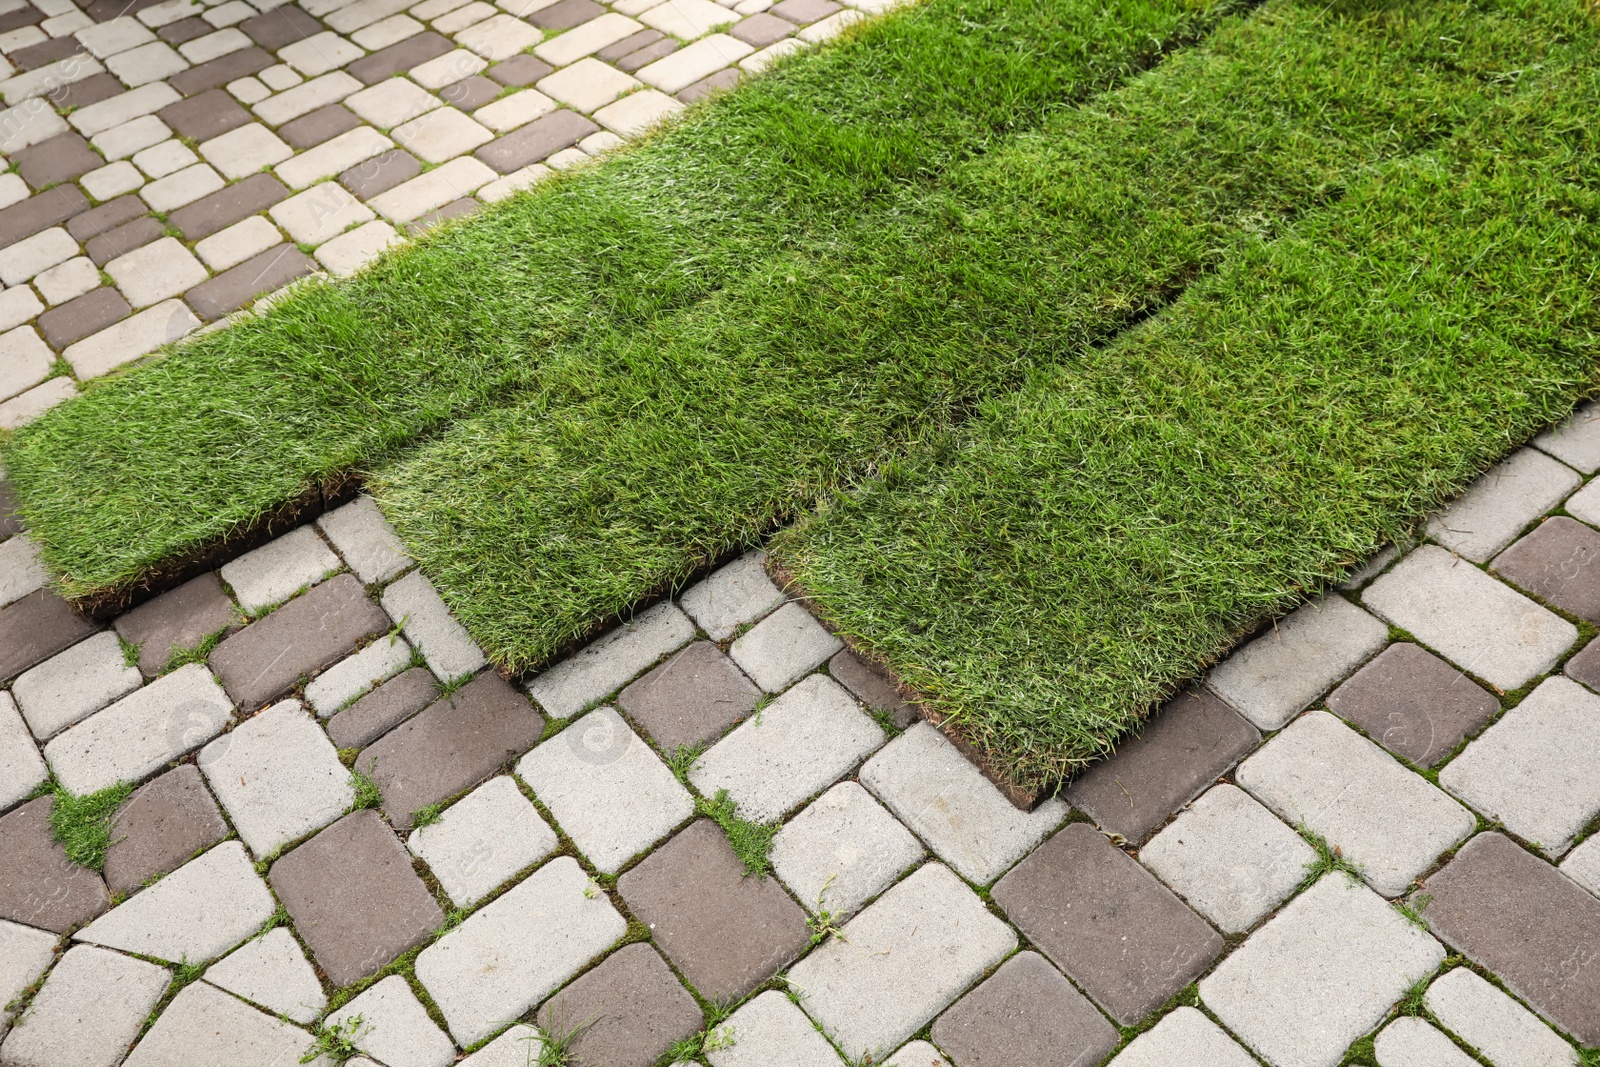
x=1050, y=574
x=646, y=454
x=174, y=456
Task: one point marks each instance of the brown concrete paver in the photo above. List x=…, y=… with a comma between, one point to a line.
x=411, y=52
x=1559, y=562
x=1106, y=921
x=62, y=158
x=354, y=898
x=691, y=699
x=35, y=628
x=84, y=315
x=1585, y=666
x=1182, y=750
x=321, y=125
x=725, y=933
x=39, y=886
x=179, y=619
x=161, y=826
x=383, y=709
x=281, y=26
x=566, y=14
x=381, y=173
x=205, y=115
x=219, y=72
x=455, y=744
x=124, y=239
x=536, y=141
x=871, y=686
x=1413, y=703
x=1538, y=930
x=37, y=213
x=105, y=218
x=1025, y=1013
x=262, y=273
x=227, y=206
x=519, y=70
x=631, y=1007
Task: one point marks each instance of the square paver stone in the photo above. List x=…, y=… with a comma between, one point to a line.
x=179, y=619
x=691, y=698
x=842, y=850
x=452, y=745
x=595, y=671
x=272, y=971
x=1230, y=858
x=278, y=777
x=1413, y=703
x=731, y=596
x=1026, y=1012
x=163, y=824
x=395, y=1026
x=354, y=898
x=366, y=540
x=725, y=932
x=194, y=914
x=631, y=1008
x=1285, y=669
x=205, y=1025
x=1536, y=930
x=606, y=788
x=1319, y=974
x=1106, y=922
x=1559, y=562
x=1194, y=740
x=792, y=749
x=900, y=962
x=75, y=683
x=1184, y=1038
x=948, y=803
x=770, y=1032
x=88, y=1011
x=358, y=674
x=1497, y=506
x=1490, y=1021
x=39, y=886
x=1484, y=627
x=1537, y=770
x=1390, y=821
x=522, y=946
x=483, y=839
x=783, y=647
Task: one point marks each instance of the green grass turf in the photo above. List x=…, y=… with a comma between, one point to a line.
x=176, y=455
x=635, y=459
x=1060, y=564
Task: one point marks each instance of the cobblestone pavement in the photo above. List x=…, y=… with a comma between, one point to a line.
x=170, y=163
x=1375, y=823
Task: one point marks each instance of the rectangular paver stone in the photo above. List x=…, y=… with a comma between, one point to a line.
x=386, y=707
x=21, y=766
x=733, y=595
x=163, y=824
x=177, y=620
x=88, y=1012
x=417, y=608
x=770, y=1032
x=67, y=687
x=602, y=666
x=1557, y=563
x=1484, y=1017
x=691, y=698
x=1413, y=703
x=394, y=1024
x=358, y=674
x=483, y=839
x=783, y=647
x=272, y=970
x=842, y=850
x=638, y=1007
x=1497, y=506
x=1028, y=1010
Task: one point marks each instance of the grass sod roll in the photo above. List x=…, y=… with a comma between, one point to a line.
x=1050, y=572
x=158, y=463
x=635, y=460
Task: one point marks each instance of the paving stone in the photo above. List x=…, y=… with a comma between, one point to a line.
x=1497, y=506
x=643, y=38
x=218, y=211
x=334, y=157
x=23, y=409
x=771, y=1032
x=348, y=253
x=1026, y=1012
x=689, y=65
x=518, y=949
x=1184, y=1038
x=320, y=213
x=39, y=886
x=89, y=91
x=454, y=210
x=1283, y=671
x=637, y=112
x=594, y=36
x=36, y=628
x=566, y=14
x=147, y=63
x=783, y=647
x=585, y=678
x=25, y=954
x=1585, y=666
x=457, y=742
x=1576, y=442
x=238, y=243
x=273, y=972
x=514, y=111
x=117, y=35
x=21, y=572
x=24, y=362
x=900, y=962
x=1484, y=627
x=354, y=898
x=516, y=1047
x=412, y=52
x=631, y=1007
x=1230, y=858
x=691, y=698
x=1553, y=563
x=265, y=273
x=1537, y=770
x=220, y=72
x=156, y=272
x=759, y=31
x=606, y=788
x=1413, y=703
x=123, y=141
x=160, y=827
x=194, y=914
x=185, y=30
x=649, y=54
x=395, y=1026
x=794, y=748
x=386, y=32
x=1319, y=974
x=304, y=636
x=1078, y=897
x=1194, y=740
x=245, y=150
x=1585, y=503
x=88, y=314
x=536, y=141
x=1411, y=1042
x=88, y=1012
x=441, y=134
x=804, y=11
x=358, y=674
x=68, y=280
x=46, y=52
x=414, y=605
x=366, y=540
x=1582, y=865
x=320, y=53
x=872, y=686
x=131, y=339
x=587, y=84
x=145, y=729
x=725, y=932
x=27, y=124
x=1506, y=1032
x=112, y=180
x=519, y=70
x=184, y=187
x=830, y=27
x=278, y=776
x=688, y=19
x=469, y=94
x=482, y=840
x=499, y=37
x=448, y=68
x=321, y=125
x=380, y=174
x=62, y=158
x=205, y=1025
x=280, y=26
x=180, y=619
x=383, y=709
x=946, y=801
x=18, y=305
x=28, y=257
x=21, y=766
x=73, y=684
x=213, y=45
x=50, y=208
x=124, y=239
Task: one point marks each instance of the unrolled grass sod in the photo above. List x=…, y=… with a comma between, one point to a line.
x=161, y=462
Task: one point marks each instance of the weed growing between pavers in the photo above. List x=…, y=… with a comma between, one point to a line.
x=177, y=455
x=750, y=841
x=82, y=824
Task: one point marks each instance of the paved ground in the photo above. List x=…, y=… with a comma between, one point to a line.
x=173, y=162
x=535, y=862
